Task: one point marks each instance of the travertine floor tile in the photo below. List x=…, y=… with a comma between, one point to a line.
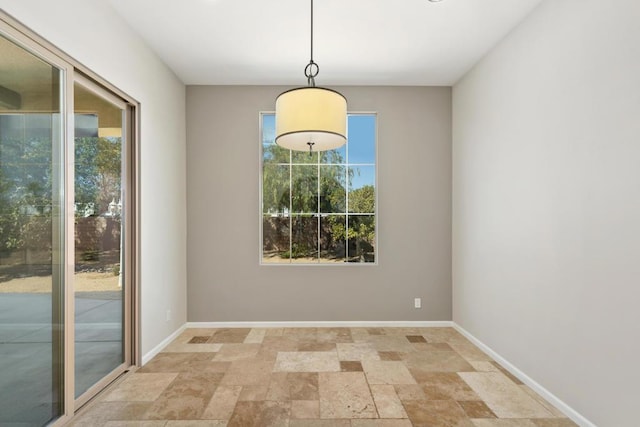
x=554, y=422
x=444, y=386
x=548, y=406
x=359, y=335
x=319, y=423
x=387, y=402
x=438, y=346
x=256, y=336
x=301, y=334
x=303, y=385
x=476, y=409
x=170, y=362
x=307, y=361
x=317, y=346
x=248, y=372
x=437, y=361
x=186, y=335
x=397, y=343
x=196, y=423
x=230, y=335
x=222, y=403
x=436, y=413
x=135, y=424
x=447, y=335
x=345, y=395
x=507, y=374
x=272, y=345
x=186, y=397
x=391, y=355
x=233, y=352
x=504, y=398
x=184, y=362
x=101, y=412
x=191, y=348
x=334, y=335
x=380, y=423
x=357, y=351
x=278, y=387
x=264, y=414
x=305, y=409
x=502, y=423
x=484, y=366
x=410, y=392
x=286, y=386
x=254, y=392
x=350, y=366
x=141, y=387
x=382, y=372
x=470, y=352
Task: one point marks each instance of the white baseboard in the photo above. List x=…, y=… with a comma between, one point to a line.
x=323, y=324
x=546, y=394
x=165, y=342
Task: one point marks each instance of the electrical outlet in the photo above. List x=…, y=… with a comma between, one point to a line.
x=168, y=315
x=417, y=302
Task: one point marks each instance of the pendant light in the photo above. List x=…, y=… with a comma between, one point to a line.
x=311, y=118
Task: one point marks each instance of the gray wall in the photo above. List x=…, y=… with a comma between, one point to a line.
x=546, y=212
x=225, y=280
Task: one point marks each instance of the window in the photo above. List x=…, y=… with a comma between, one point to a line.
x=320, y=208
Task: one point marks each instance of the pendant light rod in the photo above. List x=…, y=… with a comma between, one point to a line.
x=312, y=69
x=311, y=30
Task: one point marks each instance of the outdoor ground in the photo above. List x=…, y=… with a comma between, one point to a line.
x=83, y=282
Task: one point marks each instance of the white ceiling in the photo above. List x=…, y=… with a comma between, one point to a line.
x=356, y=42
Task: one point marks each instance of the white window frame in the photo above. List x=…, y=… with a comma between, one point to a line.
x=375, y=214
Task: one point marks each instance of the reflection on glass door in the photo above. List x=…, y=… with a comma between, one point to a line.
x=31, y=238
x=99, y=238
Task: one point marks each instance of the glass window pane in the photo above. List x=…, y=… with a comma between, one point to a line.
x=31, y=239
x=362, y=138
x=334, y=157
x=275, y=239
x=274, y=154
x=304, y=239
x=333, y=196
x=304, y=157
x=361, y=238
x=362, y=195
x=333, y=238
x=304, y=189
x=268, y=128
x=275, y=189
x=99, y=268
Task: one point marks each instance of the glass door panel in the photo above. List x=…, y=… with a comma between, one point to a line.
x=31, y=238
x=99, y=238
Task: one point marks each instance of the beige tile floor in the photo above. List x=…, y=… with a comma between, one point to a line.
x=356, y=377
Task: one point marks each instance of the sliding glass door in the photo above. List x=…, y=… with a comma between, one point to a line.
x=31, y=238
x=100, y=211
x=67, y=232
